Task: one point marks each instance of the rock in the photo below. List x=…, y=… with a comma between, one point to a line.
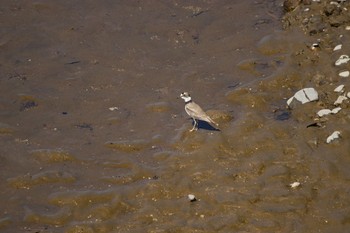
x=305, y=95
x=336, y=110
x=333, y=136
x=338, y=47
x=343, y=59
x=294, y=185
x=344, y=74
x=324, y=112
x=339, y=88
x=192, y=197
x=340, y=100
x=113, y=108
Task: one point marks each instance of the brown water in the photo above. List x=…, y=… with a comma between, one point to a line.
x=69, y=163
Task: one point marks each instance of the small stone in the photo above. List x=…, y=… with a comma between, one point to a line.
x=315, y=45
x=343, y=59
x=340, y=100
x=338, y=47
x=192, y=197
x=333, y=136
x=348, y=94
x=294, y=185
x=336, y=110
x=324, y=112
x=344, y=74
x=113, y=108
x=339, y=88
x=347, y=28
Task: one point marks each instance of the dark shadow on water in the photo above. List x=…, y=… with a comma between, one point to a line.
x=205, y=125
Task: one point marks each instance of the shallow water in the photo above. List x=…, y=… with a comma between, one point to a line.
x=95, y=139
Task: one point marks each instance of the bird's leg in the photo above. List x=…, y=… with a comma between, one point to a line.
x=194, y=125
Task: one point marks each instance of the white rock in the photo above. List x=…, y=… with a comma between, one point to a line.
x=294, y=185
x=315, y=45
x=339, y=88
x=336, y=110
x=344, y=74
x=348, y=94
x=340, y=100
x=338, y=47
x=192, y=197
x=324, y=112
x=113, y=108
x=304, y=96
x=342, y=60
x=347, y=28
x=334, y=135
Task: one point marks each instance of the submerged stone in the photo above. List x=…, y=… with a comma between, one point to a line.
x=27, y=102
x=158, y=107
x=52, y=155
x=127, y=146
x=221, y=116
x=47, y=177
x=5, y=129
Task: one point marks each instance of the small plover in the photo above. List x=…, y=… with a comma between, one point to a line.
x=196, y=112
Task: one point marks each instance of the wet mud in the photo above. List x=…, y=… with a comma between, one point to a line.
x=94, y=136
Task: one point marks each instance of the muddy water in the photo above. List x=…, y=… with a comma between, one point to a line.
x=95, y=139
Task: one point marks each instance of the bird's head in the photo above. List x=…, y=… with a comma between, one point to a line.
x=185, y=96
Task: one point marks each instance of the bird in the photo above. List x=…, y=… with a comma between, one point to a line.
x=196, y=112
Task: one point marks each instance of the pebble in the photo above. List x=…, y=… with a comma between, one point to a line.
x=304, y=96
x=344, y=74
x=347, y=28
x=342, y=60
x=333, y=136
x=338, y=47
x=294, y=185
x=192, y=197
x=315, y=45
x=113, y=108
x=336, y=110
x=339, y=88
x=348, y=94
x=324, y=112
x=340, y=100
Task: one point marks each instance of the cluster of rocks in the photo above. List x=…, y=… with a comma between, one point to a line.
x=327, y=21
